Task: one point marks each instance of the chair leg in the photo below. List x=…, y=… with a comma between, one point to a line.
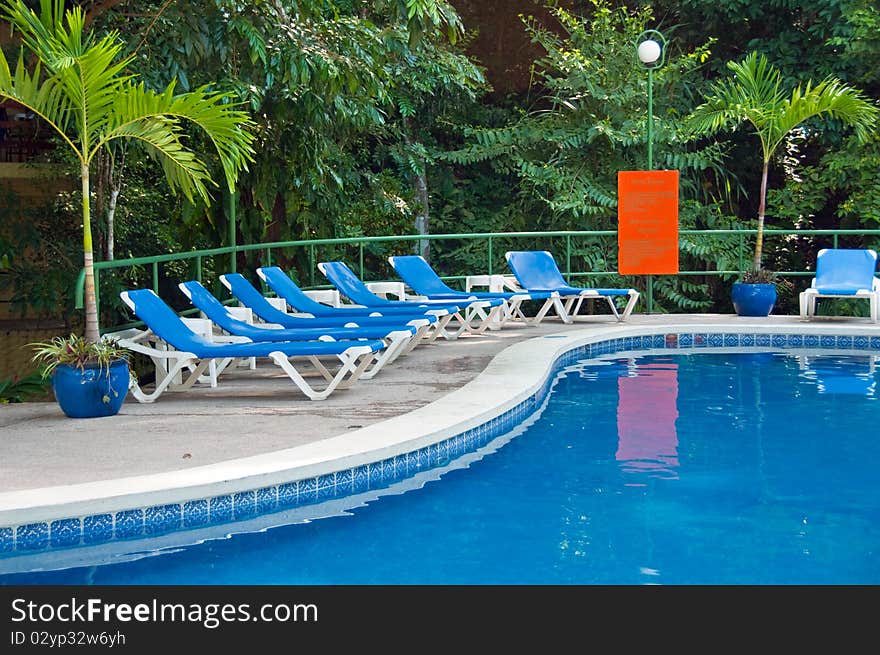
x=613, y=308
x=198, y=368
x=467, y=321
x=513, y=312
x=395, y=342
x=439, y=328
x=355, y=361
x=630, y=304
x=562, y=308
x=421, y=336
x=550, y=303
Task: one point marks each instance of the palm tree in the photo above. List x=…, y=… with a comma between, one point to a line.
x=753, y=94
x=77, y=84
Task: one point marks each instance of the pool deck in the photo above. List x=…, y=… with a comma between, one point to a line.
x=257, y=422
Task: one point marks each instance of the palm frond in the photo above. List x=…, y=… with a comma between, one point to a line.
x=830, y=98
x=138, y=111
x=162, y=137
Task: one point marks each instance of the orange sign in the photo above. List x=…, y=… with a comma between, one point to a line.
x=647, y=222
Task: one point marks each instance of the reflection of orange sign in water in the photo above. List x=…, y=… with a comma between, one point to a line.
x=646, y=413
x=647, y=222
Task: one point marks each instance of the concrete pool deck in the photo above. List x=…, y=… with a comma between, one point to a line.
x=256, y=423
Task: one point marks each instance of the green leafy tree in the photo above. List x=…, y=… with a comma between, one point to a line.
x=590, y=119
x=754, y=94
x=586, y=122
x=327, y=84
x=80, y=87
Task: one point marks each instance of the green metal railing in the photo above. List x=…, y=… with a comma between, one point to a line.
x=491, y=239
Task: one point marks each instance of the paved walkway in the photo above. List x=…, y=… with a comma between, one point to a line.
x=249, y=413
x=259, y=412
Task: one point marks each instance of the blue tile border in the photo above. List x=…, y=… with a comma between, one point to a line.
x=287, y=495
x=267, y=499
x=97, y=528
x=162, y=518
x=220, y=509
x=66, y=532
x=33, y=536
x=201, y=512
x=129, y=523
x=244, y=504
x=7, y=540
x=195, y=513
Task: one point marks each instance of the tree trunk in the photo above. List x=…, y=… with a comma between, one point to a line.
x=115, y=183
x=420, y=181
x=762, y=207
x=421, y=223
x=91, y=305
x=111, y=213
x=98, y=186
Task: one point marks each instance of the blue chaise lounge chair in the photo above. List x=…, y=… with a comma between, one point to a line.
x=843, y=273
x=423, y=280
x=174, y=348
x=396, y=337
x=251, y=297
x=536, y=270
x=472, y=316
x=281, y=283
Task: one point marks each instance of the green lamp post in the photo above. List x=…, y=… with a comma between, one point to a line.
x=651, y=53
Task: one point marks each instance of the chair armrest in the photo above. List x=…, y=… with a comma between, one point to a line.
x=511, y=283
x=245, y=314
x=324, y=296
x=154, y=352
x=278, y=303
x=383, y=289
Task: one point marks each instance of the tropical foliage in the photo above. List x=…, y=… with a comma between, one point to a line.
x=374, y=117
x=19, y=390
x=344, y=98
x=90, y=101
x=755, y=94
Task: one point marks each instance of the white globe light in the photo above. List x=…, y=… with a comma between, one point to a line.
x=649, y=52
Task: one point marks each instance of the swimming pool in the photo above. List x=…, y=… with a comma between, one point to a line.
x=657, y=468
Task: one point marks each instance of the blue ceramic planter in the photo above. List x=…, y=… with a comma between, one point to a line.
x=91, y=392
x=753, y=299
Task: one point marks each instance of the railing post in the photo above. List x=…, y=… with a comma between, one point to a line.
x=568, y=258
x=489, y=267
x=834, y=239
x=649, y=291
x=740, y=251
x=199, y=268
x=361, y=259
x=79, y=291
x=312, y=265
x=156, y=277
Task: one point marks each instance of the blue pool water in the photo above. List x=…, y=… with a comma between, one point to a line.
x=735, y=468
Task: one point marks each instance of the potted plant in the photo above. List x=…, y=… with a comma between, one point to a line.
x=89, y=378
x=755, y=293
x=754, y=95
x=78, y=85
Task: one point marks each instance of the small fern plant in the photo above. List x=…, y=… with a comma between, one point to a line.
x=78, y=351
